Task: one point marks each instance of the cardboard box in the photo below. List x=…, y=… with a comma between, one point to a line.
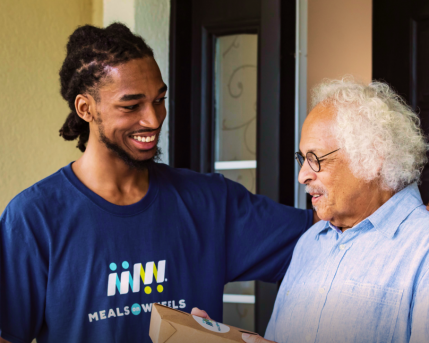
x=173, y=326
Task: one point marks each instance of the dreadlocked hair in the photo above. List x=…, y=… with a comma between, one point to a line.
x=89, y=51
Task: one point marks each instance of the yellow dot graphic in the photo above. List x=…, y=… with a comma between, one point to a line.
x=160, y=288
x=147, y=290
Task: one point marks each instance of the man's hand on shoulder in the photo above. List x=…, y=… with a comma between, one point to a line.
x=427, y=207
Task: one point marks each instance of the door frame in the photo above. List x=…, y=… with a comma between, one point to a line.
x=396, y=35
x=203, y=115
x=191, y=108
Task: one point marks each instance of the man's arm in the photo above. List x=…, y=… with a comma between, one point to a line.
x=26, y=289
x=260, y=235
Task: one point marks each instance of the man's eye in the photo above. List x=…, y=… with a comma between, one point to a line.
x=132, y=107
x=160, y=100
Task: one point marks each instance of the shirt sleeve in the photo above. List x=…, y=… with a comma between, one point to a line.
x=420, y=310
x=260, y=235
x=23, y=278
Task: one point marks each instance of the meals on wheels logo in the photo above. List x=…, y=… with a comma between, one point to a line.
x=145, y=275
x=125, y=281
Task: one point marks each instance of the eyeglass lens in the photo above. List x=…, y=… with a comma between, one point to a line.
x=299, y=158
x=313, y=161
x=311, y=158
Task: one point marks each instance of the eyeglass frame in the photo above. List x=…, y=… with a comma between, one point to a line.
x=298, y=153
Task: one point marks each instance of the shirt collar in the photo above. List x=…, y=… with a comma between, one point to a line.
x=324, y=226
x=335, y=228
x=391, y=214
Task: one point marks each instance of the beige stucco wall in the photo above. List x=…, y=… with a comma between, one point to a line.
x=339, y=40
x=33, y=35
x=119, y=11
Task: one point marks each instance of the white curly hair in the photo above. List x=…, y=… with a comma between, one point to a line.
x=373, y=125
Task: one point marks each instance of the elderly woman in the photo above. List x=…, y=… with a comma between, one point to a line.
x=362, y=273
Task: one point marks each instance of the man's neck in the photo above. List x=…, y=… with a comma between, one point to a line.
x=367, y=199
x=373, y=203
x=108, y=176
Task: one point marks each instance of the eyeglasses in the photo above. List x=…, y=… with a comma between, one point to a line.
x=312, y=159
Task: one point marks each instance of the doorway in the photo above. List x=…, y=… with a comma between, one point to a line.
x=401, y=55
x=232, y=102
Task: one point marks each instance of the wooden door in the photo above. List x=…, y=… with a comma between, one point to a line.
x=205, y=35
x=401, y=56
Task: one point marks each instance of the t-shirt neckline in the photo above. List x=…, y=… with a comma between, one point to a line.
x=126, y=210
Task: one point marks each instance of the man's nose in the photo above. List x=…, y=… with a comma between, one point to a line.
x=306, y=174
x=150, y=118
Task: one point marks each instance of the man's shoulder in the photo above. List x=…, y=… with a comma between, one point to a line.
x=416, y=225
x=312, y=232
x=184, y=178
x=43, y=194
x=310, y=235
x=420, y=214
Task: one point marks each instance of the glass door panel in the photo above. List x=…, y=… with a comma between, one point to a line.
x=246, y=177
x=235, y=144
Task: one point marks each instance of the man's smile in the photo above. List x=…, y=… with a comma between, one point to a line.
x=144, y=141
x=316, y=193
x=315, y=198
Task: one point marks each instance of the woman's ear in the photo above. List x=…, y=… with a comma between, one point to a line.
x=83, y=107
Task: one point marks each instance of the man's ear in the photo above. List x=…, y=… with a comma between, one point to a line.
x=84, y=105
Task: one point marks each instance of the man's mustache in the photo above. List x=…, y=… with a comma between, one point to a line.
x=145, y=130
x=313, y=189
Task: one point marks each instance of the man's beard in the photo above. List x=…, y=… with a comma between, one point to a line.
x=123, y=155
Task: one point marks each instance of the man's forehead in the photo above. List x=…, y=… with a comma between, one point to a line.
x=317, y=133
x=323, y=111
x=140, y=76
x=143, y=69
x=321, y=117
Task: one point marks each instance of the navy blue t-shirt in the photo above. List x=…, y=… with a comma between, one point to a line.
x=76, y=268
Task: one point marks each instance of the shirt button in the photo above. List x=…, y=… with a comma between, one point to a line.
x=342, y=247
x=321, y=290
x=308, y=338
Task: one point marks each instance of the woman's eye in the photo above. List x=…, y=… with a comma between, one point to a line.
x=160, y=100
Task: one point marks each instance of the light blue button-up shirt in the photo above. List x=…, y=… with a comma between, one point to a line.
x=368, y=284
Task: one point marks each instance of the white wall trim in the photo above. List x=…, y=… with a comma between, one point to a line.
x=228, y=165
x=238, y=299
x=300, y=89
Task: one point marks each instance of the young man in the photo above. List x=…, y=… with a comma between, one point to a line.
x=85, y=252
